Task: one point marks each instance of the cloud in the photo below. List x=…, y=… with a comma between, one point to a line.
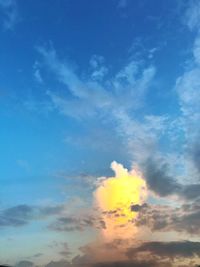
x=10, y=13
x=24, y=263
x=65, y=252
x=89, y=91
x=65, y=224
x=37, y=255
x=187, y=84
x=138, y=207
x=172, y=250
x=122, y=3
x=114, y=197
x=114, y=101
x=191, y=191
x=23, y=214
x=192, y=15
x=130, y=82
x=77, y=222
x=16, y=216
x=99, y=70
x=141, y=137
x=158, y=179
x=187, y=88
x=61, y=263
x=79, y=261
x=195, y=155
x=159, y=218
x=36, y=73
x=188, y=222
x=133, y=263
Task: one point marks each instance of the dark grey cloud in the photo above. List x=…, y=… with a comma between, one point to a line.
x=37, y=255
x=73, y=223
x=163, y=218
x=16, y=216
x=188, y=223
x=160, y=181
x=65, y=252
x=190, y=191
x=87, y=260
x=61, y=263
x=150, y=263
x=195, y=154
x=172, y=250
x=23, y=211
x=24, y=263
x=156, y=218
x=138, y=207
x=21, y=215
x=51, y=210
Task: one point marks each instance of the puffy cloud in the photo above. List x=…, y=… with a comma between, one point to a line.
x=114, y=197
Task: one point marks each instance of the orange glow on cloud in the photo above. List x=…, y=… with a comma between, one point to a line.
x=114, y=197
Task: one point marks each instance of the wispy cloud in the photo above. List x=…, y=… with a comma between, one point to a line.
x=125, y=90
x=116, y=98
x=10, y=13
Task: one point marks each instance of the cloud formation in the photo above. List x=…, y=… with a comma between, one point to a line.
x=10, y=13
x=172, y=250
x=114, y=197
x=23, y=214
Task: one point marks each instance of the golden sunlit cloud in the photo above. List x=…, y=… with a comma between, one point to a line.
x=114, y=198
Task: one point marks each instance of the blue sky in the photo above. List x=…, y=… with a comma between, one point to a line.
x=83, y=84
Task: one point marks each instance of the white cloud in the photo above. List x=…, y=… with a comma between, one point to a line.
x=192, y=15
x=188, y=84
x=10, y=12
x=196, y=50
x=88, y=90
x=141, y=136
x=187, y=87
x=188, y=91
x=125, y=90
x=117, y=98
x=37, y=73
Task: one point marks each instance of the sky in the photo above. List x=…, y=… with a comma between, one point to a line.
x=99, y=135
